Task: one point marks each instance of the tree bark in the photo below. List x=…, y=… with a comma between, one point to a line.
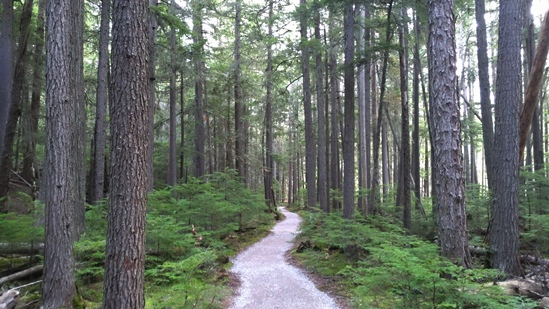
x=239, y=129
x=534, y=85
x=504, y=223
x=319, y=75
x=199, y=135
x=129, y=179
x=268, y=169
x=405, y=141
x=172, y=157
x=334, y=135
x=349, y=116
x=6, y=67
x=153, y=25
x=310, y=148
x=102, y=98
x=415, y=133
x=450, y=187
x=62, y=161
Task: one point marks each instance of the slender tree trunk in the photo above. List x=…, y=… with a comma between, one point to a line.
x=450, y=186
x=239, y=129
x=28, y=172
x=334, y=138
x=310, y=148
x=100, y=135
x=405, y=141
x=363, y=103
x=14, y=110
x=153, y=25
x=349, y=129
x=322, y=162
x=268, y=170
x=182, y=174
x=125, y=250
x=485, y=101
x=415, y=133
x=172, y=157
x=199, y=169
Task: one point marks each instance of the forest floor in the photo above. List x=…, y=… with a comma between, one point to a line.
x=265, y=276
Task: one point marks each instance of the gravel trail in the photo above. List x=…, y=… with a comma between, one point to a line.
x=268, y=281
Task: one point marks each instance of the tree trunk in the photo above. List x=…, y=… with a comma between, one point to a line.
x=153, y=25
x=172, y=157
x=349, y=129
x=450, y=187
x=6, y=67
x=102, y=97
x=363, y=86
x=239, y=128
x=334, y=138
x=125, y=249
x=182, y=174
x=322, y=162
x=504, y=223
x=405, y=141
x=534, y=84
x=485, y=101
x=14, y=110
x=310, y=151
x=268, y=169
x=62, y=161
x=199, y=169
x=415, y=133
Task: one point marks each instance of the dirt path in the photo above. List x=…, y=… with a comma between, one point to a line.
x=268, y=281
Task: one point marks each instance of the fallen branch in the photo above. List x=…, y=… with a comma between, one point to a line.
x=8, y=299
x=22, y=274
x=21, y=248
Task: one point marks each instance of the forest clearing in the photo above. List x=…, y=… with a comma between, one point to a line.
x=144, y=144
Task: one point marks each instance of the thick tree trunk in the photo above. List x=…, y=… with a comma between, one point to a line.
x=62, y=163
x=450, y=187
x=349, y=129
x=6, y=67
x=504, y=223
x=125, y=249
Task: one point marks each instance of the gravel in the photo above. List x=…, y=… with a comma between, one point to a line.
x=268, y=281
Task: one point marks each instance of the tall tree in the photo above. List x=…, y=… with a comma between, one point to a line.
x=63, y=158
x=239, y=109
x=97, y=178
x=363, y=88
x=153, y=25
x=268, y=169
x=172, y=157
x=504, y=224
x=334, y=108
x=321, y=112
x=450, y=186
x=198, y=40
x=6, y=66
x=34, y=110
x=129, y=110
x=405, y=139
x=349, y=130
x=310, y=152
x=415, y=133
x=484, y=81
x=17, y=89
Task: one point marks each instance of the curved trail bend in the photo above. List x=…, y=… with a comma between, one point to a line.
x=268, y=281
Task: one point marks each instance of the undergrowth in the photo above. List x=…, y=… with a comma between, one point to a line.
x=381, y=266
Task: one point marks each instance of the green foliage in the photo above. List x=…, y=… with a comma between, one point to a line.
x=22, y=228
x=383, y=267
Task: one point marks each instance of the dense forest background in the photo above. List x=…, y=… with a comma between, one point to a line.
x=426, y=119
